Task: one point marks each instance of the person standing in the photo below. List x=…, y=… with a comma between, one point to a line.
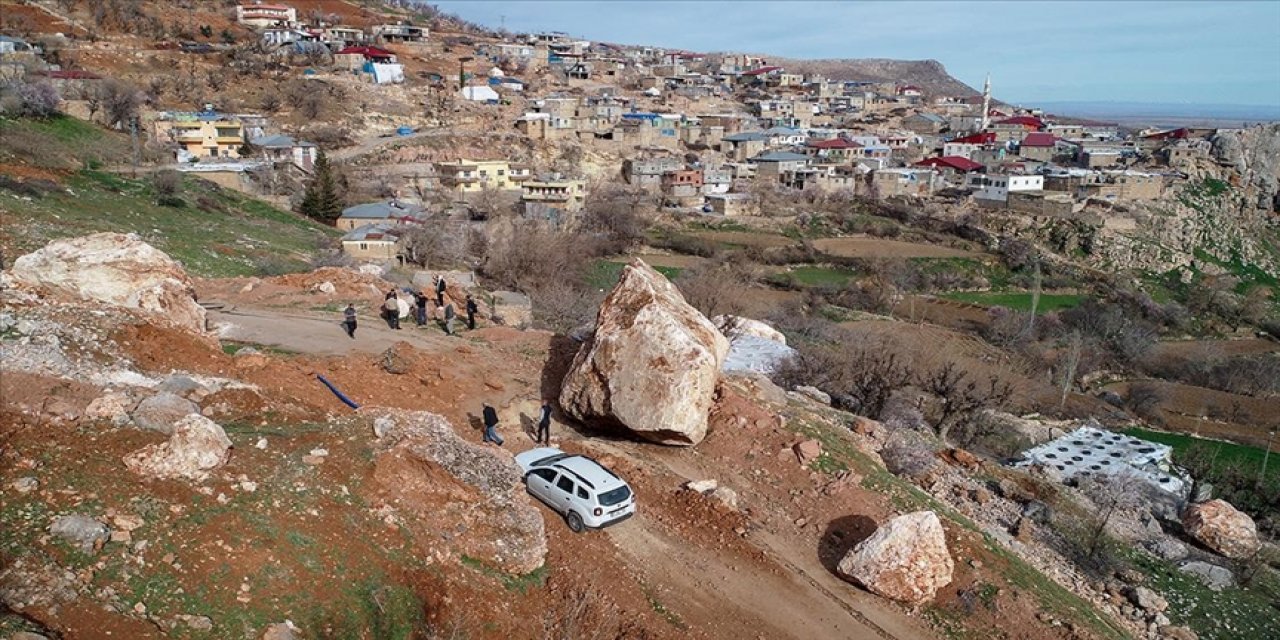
x=391, y=308
x=449, y=317
x=491, y=425
x=349, y=320
x=420, y=302
x=544, y=424
x=471, y=312
x=440, y=288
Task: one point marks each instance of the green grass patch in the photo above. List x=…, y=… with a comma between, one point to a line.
x=1231, y=614
x=813, y=276
x=215, y=233
x=511, y=582
x=1226, y=455
x=232, y=348
x=604, y=274
x=1018, y=301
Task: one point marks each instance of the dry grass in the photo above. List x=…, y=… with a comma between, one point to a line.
x=868, y=247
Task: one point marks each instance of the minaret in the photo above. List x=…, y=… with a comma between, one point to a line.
x=986, y=104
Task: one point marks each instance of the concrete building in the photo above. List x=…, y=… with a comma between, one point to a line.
x=904, y=181
x=731, y=204
x=467, y=176
x=648, y=172
x=998, y=186
x=260, y=15
x=380, y=242
x=281, y=148
x=1091, y=450
x=567, y=195
x=400, y=33
x=206, y=134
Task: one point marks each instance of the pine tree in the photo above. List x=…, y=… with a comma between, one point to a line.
x=320, y=201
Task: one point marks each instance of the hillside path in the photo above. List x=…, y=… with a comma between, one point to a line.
x=323, y=335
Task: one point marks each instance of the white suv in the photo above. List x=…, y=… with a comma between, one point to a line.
x=587, y=494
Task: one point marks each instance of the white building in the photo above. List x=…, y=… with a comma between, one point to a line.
x=1094, y=451
x=266, y=15
x=997, y=187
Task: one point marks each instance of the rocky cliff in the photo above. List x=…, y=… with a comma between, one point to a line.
x=929, y=75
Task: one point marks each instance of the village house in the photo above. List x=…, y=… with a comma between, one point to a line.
x=388, y=212
x=995, y=188
x=555, y=192
x=1045, y=147
x=400, y=33
x=1016, y=128
x=838, y=150
x=952, y=168
x=544, y=126
x=480, y=93
x=465, y=176
x=340, y=37
x=904, y=181
x=1068, y=131
x=731, y=204
x=967, y=146
x=647, y=173
x=1121, y=185
x=716, y=181
x=282, y=148
x=741, y=146
x=1185, y=152
x=373, y=63
x=376, y=242
x=772, y=166
x=260, y=15
x=204, y=134
x=281, y=36
x=783, y=137
x=683, y=187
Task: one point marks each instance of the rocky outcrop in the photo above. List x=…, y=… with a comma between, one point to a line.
x=734, y=326
x=437, y=481
x=1221, y=527
x=110, y=407
x=1254, y=154
x=197, y=445
x=80, y=531
x=651, y=366
x=906, y=559
x=115, y=269
x=1211, y=575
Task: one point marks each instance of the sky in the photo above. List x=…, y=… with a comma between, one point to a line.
x=1210, y=52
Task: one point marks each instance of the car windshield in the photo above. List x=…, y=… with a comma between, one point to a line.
x=614, y=496
x=550, y=459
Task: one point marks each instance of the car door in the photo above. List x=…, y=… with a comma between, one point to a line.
x=564, y=492
x=541, y=483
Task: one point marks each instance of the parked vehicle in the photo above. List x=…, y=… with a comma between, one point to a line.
x=588, y=495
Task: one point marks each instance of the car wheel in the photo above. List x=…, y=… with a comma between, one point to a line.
x=575, y=522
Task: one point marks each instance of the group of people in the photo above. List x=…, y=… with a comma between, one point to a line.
x=543, y=435
x=391, y=309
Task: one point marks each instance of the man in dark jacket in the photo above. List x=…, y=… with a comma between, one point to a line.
x=491, y=426
x=440, y=287
x=544, y=424
x=449, y=316
x=349, y=320
x=471, y=312
x=391, y=309
x=420, y=301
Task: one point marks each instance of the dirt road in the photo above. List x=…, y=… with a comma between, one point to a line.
x=323, y=335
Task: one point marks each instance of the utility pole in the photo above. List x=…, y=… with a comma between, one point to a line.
x=133, y=133
x=1262, y=475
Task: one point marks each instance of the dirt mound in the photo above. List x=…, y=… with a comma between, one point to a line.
x=345, y=281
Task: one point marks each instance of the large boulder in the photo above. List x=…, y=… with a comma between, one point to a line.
x=1213, y=576
x=439, y=482
x=197, y=445
x=1221, y=527
x=906, y=559
x=81, y=531
x=116, y=269
x=162, y=411
x=651, y=366
x=734, y=326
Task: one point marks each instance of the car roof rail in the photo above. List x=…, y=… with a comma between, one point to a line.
x=576, y=475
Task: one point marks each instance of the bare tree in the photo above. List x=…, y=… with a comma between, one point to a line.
x=435, y=245
x=1071, y=362
x=119, y=102
x=962, y=394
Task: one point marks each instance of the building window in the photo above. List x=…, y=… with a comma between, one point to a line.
x=364, y=246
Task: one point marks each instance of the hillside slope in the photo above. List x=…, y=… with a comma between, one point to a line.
x=929, y=75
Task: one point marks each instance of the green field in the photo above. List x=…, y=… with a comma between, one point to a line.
x=605, y=273
x=1225, y=454
x=1018, y=301
x=214, y=233
x=814, y=276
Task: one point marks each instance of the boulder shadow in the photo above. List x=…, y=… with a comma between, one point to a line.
x=527, y=426
x=476, y=423
x=842, y=535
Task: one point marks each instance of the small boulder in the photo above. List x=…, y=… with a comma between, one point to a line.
x=807, y=451
x=325, y=287
x=734, y=326
x=162, y=411
x=197, y=445
x=1211, y=575
x=906, y=559
x=25, y=484
x=181, y=385
x=1221, y=527
x=652, y=365
x=702, y=486
x=1148, y=600
x=282, y=631
x=815, y=394
x=110, y=407
x=1177, y=633
x=84, y=533
x=1168, y=548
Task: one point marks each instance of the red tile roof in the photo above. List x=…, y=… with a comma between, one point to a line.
x=953, y=162
x=1039, y=139
x=1172, y=134
x=1026, y=121
x=984, y=137
x=368, y=52
x=761, y=71
x=833, y=143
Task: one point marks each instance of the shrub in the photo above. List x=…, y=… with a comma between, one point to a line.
x=36, y=100
x=167, y=183
x=907, y=454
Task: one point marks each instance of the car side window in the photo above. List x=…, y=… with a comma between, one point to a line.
x=545, y=474
x=565, y=485
x=582, y=493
